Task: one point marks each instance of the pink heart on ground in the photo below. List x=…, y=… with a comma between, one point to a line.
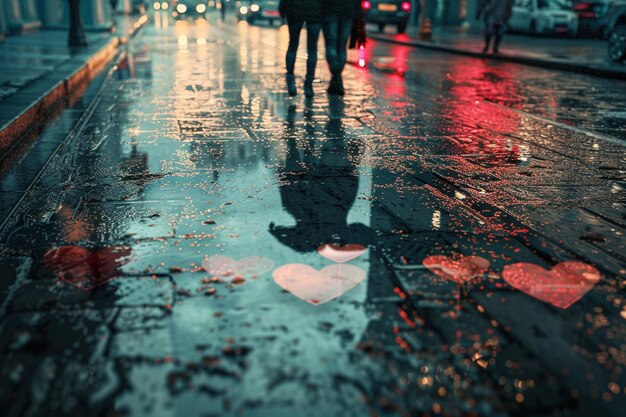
x=341, y=254
x=459, y=269
x=225, y=266
x=565, y=284
x=318, y=287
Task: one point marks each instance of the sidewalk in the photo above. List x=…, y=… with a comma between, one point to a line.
x=586, y=56
x=40, y=75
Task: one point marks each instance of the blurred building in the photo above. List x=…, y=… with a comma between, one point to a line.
x=20, y=16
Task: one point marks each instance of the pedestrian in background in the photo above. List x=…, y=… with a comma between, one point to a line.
x=298, y=13
x=337, y=28
x=496, y=15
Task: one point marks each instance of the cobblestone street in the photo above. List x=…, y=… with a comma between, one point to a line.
x=446, y=239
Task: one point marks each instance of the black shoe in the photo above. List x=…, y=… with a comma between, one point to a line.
x=291, y=85
x=340, y=90
x=308, y=88
x=486, y=49
x=496, y=50
x=332, y=87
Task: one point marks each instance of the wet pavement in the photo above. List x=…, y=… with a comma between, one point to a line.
x=447, y=239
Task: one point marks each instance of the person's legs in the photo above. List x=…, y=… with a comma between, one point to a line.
x=331, y=28
x=499, y=31
x=294, y=41
x=488, y=36
x=343, y=35
x=292, y=51
x=344, y=28
x=313, y=35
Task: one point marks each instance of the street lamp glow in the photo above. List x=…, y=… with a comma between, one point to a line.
x=157, y=5
x=201, y=8
x=243, y=10
x=181, y=8
x=254, y=8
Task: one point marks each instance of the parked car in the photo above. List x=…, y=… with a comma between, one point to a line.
x=616, y=17
x=592, y=17
x=387, y=12
x=189, y=9
x=255, y=10
x=543, y=17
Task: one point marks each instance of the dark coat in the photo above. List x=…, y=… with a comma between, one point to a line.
x=303, y=10
x=344, y=9
x=495, y=12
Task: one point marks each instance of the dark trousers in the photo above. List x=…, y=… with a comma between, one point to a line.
x=336, y=35
x=491, y=30
x=313, y=35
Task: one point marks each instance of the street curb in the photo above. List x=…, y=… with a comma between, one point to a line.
x=597, y=71
x=63, y=93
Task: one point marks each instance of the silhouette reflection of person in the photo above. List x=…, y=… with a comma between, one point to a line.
x=318, y=187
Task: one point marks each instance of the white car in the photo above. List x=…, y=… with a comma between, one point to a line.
x=543, y=16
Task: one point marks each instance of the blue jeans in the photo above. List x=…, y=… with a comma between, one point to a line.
x=336, y=34
x=313, y=35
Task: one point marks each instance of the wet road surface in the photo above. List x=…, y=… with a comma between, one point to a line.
x=448, y=239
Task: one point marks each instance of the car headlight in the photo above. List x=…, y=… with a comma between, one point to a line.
x=243, y=10
x=165, y=5
x=201, y=8
x=181, y=8
x=254, y=8
x=157, y=5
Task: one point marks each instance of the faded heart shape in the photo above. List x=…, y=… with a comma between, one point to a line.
x=341, y=253
x=86, y=269
x=227, y=267
x=458, y=269
x=565, y=284
x=318, y=287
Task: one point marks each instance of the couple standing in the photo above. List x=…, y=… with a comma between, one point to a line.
x=335, y=18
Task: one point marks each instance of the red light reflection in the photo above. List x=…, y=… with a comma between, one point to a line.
x=84, y=268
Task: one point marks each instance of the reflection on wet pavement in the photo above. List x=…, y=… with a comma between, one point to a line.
x=438, y=242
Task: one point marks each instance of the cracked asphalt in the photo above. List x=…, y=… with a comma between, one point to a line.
x=446, y=239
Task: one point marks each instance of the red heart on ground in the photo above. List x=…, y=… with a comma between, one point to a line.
x=318, y=287
x=86, y=269
x=459, y=269
x=341, y=254
x=565, y=284
x=225, y=266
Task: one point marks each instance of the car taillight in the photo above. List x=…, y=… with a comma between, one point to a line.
x=587, y=15
x=366, y=5
x=406, y=6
